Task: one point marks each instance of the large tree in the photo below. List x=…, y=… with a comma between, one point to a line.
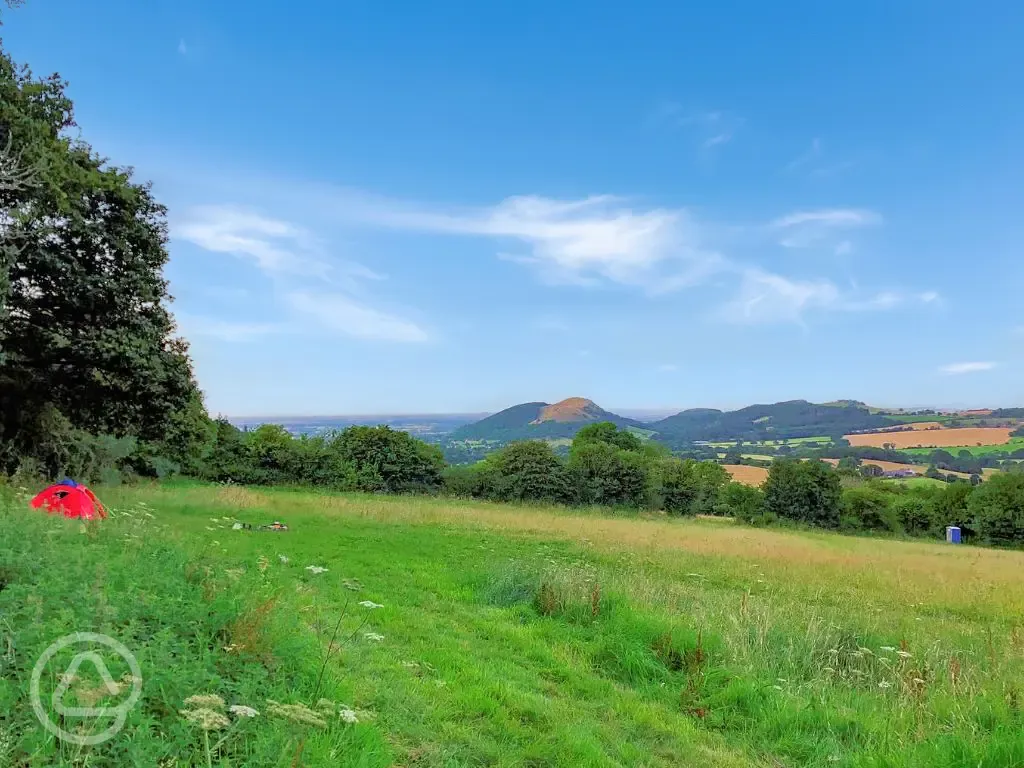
x=86, y=336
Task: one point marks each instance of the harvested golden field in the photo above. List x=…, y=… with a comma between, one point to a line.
x=741, y=473
x=916, y=425
x=934, y=438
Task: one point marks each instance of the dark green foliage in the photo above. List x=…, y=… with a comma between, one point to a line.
x=607, y=432
x=746, y=503
x=915, y=514
x=804, y=491
x=525, y=471
x=389, y=460
x=997, y=509
x=691, y=487
x=604, y=474
x=868, y=508
x=950, y=505
x=86, y=337
x=465, y=481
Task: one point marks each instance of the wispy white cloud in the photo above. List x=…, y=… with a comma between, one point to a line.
x=823, y=228
x=766, y=298
x=182, y=47
x=589, y=241
x=341, y=314
x=289, y=253
x=274, y=246
x=769, y=298
x=956, y=369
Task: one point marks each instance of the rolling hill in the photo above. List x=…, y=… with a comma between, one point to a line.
x=539, y=421
x=793, y=418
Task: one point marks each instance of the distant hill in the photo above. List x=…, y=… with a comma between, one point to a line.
x=793, y=418
x=528, y=421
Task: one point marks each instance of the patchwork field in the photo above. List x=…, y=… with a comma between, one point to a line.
x=936, y=438
x=745, y=474
x=514, y=636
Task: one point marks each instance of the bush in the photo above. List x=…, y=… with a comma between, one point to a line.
x=746, y=503
x=868, y=508
x=804, y=491
x=690, y=487
x=525, y=471
x=997, y=509
x=601, y=473
x=914, y=513
x=388, y=460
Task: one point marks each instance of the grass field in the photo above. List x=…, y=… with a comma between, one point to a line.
x=514, y=636
x=936, y=438
x=1013, y=444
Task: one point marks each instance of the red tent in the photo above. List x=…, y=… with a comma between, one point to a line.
x=71, y=499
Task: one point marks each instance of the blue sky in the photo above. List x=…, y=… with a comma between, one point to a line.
x=456, y=206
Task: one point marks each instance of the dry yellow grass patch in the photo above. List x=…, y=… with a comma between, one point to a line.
x=747, y=475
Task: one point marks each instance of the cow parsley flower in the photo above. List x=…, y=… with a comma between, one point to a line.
x=316, y=569
x=373, y=636
x=348, y=716
x=370, y=604
x=240, y=710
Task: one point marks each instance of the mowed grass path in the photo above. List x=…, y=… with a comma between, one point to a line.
x=524, y=636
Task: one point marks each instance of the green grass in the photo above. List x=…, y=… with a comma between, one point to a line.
x=921, y=482
x=919, y=419
x=1015, y=444
x=517, y=636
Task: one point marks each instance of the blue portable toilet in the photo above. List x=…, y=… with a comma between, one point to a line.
x=952, y=534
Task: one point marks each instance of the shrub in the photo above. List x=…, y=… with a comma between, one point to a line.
x=601, y=473
x=914, y=513
x=868, y=508
x=691, y=487
x=997, y=509
x=525, y=471
x=746, y=503
x=805, y=491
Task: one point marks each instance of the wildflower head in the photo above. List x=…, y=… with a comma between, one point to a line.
x=240, y=710
x=207, y=719
x=316, y=569
x=297, y=713
x=370, y=604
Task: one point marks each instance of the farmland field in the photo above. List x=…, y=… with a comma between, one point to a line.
x=745, y=474
x=937, y=438
x=1013, y=444
x=514, y=636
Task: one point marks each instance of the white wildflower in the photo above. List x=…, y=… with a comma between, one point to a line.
x=316, y=569
x=885, y=684
x=237, y=527
x=283, y=559
x=240, y=710
x=919, y=681
x=348, y=716
x=373, y=636
x=887, y=648
x=207, y=719
x=370, y=604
